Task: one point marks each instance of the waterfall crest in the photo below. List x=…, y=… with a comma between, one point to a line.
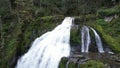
x=47, y=50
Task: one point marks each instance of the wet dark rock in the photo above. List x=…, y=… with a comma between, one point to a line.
x=78, y=56
x=75, y=49
x=74, y=60
x=115, y=58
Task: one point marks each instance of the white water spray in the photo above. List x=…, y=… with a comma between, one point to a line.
x=47, y=50
x=85, y=39
x=98, y=41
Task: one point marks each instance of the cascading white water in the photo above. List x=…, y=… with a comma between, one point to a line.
x=85, y=39
x=98, y=41
x=47, y=50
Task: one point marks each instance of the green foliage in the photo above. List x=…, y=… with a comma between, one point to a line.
x=75, y=37
x=112, y=28
x=82, y=19
x=10, y=43
x=101, y=22
x=9, y=52
x=52, y=18
x=47, y=23
x=90, y=17
x=115, y=29
x=67, y=7
x=92, y=64
x=4, y=8
x=108, y=11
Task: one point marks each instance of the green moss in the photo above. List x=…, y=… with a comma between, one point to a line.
x=72, y=65
x=63, y=63
x=101, y=22
x=90, y=16
x=75, y=37
x=114, y=29
x=92, y=64
x=10, y=50
x=10, y=42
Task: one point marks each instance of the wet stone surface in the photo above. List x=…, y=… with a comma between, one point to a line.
x=75, y=60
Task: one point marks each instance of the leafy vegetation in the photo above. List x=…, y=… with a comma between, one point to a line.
x=108, y=11
x=21, y=38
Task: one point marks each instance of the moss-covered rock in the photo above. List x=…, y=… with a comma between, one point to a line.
x=72, y=65
x=92, y=64
x=63, y=62
x=75, y=37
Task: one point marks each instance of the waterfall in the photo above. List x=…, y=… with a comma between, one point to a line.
x=47, y=50
x=85, y=39
x=98, y=41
